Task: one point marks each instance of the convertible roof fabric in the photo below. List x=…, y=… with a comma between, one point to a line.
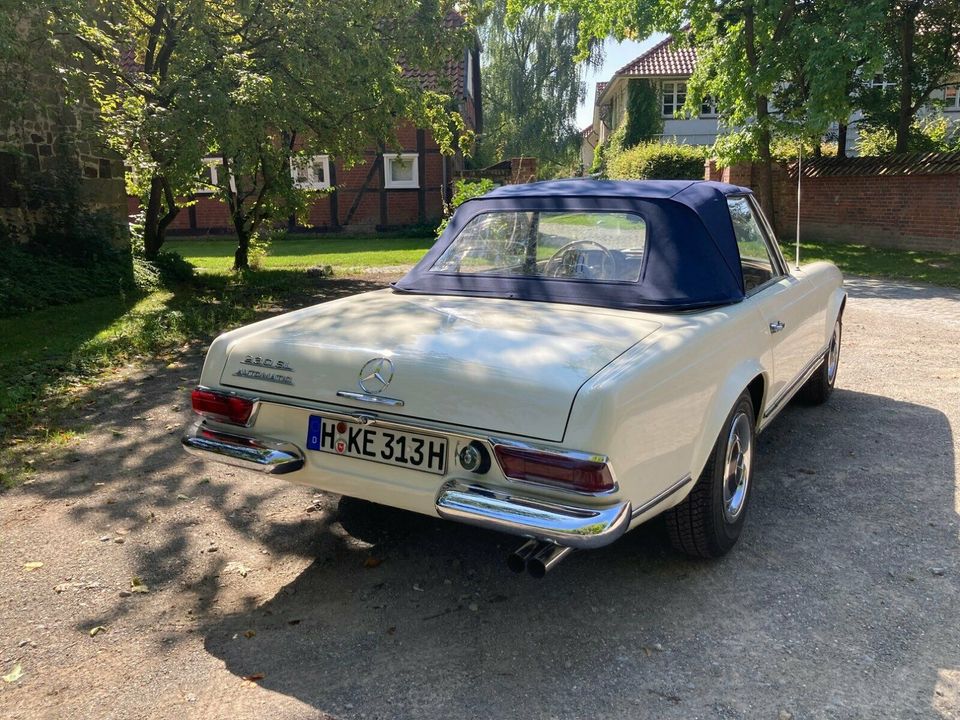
x=691, y=259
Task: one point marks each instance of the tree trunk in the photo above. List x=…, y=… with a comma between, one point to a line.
x=155, y=224
x=152, y=240
x=765, y=166
x=842, y=140
x=241, y=257
x=905, y=29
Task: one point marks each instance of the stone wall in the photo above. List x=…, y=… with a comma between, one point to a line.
x=909, y=202
x=51, y=136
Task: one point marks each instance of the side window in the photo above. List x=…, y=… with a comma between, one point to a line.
x=755, y=261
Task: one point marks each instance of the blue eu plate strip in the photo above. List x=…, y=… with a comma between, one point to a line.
x=313, y=432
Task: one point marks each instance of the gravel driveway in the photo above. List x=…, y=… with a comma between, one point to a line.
x=842, y=599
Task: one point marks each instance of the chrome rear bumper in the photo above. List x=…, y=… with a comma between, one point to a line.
x=263, y=454
x=581, y=527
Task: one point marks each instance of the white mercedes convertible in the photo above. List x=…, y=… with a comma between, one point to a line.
x=570, y=360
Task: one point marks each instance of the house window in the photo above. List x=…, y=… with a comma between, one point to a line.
x=213, y=170
x=674, y=96
x=708, y=107
x=880, y=81
x=311, y=173
x=401, y=171
x=951, y=97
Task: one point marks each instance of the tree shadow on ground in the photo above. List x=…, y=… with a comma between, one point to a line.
x=828, y=606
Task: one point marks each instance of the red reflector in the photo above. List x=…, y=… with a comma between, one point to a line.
x=558, y=470
x=221, y=407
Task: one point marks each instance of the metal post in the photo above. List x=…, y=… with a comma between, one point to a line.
x=799, y=175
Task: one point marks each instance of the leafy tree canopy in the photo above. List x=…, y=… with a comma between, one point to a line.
x=177, y=80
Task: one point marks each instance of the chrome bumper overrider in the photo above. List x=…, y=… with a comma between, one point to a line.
x=263, y=454
x=580, y=527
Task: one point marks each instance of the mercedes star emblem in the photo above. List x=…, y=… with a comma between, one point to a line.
x=376, y=375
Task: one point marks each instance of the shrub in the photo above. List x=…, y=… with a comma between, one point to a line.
x=606, y=150
x=931, y=134
x=463, y=191
x=32, y=278
x=662, y=161
x=644, y=120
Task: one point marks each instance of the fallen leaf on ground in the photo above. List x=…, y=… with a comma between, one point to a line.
x=137, y=585
x=97, y=630
x=372, y=562
x=254, y=677
x=14, y=674
x=28, y=566
x=236, y=567
x=249, y=634
x=181, y=496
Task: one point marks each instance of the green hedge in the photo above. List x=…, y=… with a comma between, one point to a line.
x=662, y=161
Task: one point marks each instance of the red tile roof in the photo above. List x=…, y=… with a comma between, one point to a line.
x=664, y=58
x=453, y=76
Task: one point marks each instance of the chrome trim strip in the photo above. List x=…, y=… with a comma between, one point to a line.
x=363, y=397
x=582, y=527
x=788, y=392
x=264, y=454
x=657, y=499
x=252, y=398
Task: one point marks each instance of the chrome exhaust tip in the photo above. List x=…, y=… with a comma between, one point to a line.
x=546, y=559
x=517, y=560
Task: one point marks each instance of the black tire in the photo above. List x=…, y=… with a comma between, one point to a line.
x=818, y=389
x=710, y=519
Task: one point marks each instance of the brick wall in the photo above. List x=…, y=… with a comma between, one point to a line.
x=906, y=203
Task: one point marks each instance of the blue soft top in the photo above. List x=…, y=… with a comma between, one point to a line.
x=692, y=260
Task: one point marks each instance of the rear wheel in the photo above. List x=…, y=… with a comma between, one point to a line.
x=709, y=521
x=819, y=387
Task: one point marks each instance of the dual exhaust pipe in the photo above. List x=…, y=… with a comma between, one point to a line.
x=537, y=557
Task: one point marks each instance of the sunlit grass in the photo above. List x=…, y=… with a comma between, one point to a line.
x=344, y=255
x=913, y=265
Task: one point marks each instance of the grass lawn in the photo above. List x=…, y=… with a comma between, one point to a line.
x=345, y=255
x=918, y=266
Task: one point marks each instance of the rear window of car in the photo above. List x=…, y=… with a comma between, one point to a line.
x=588, y=246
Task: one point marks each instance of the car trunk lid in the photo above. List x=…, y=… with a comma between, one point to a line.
x=489, y=364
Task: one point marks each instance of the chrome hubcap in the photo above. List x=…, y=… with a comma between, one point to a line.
x=833, y=358
x=737, y=463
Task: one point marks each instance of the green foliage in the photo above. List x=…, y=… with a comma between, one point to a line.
x=72, y=252
x=787, y=149
x=166, y=270
x=644, y=121
x=531, y=85
x=608, y=150
x=662, y=161
x=463, y=191
x=31, y=278
x=927, y=134
x=251, y=81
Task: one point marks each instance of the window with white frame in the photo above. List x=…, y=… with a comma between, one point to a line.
x=880, y=81
x=674, y=96
x=951, y=98
x=708, y=107
x=210, y=176
x=311, y=172
x=401, y=171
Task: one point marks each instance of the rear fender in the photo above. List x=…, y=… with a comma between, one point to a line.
x=736, y=382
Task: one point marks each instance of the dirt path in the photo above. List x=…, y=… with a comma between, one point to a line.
x=842, y=600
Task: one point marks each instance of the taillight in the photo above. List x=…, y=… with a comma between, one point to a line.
x=562, y=471
x=222, y=407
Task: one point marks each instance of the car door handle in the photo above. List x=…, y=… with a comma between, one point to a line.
x=776, y=327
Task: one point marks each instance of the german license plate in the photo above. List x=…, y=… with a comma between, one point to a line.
x=391, y=447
